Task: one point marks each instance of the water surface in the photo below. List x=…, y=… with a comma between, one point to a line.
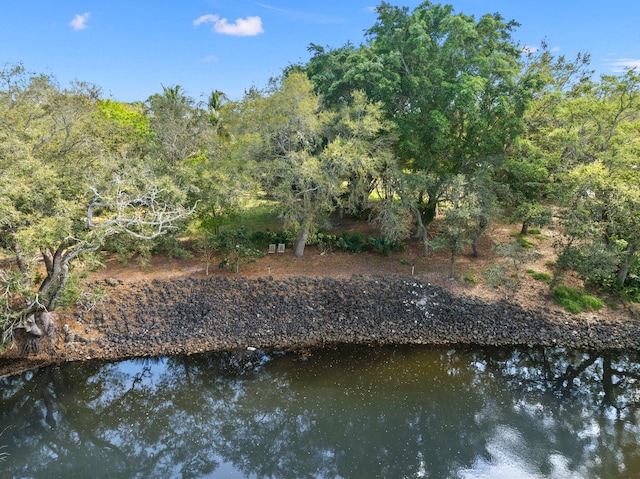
x=342, y=413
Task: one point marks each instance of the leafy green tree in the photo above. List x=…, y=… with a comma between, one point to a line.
x=192, y=140
x=507, y=276
x=451, y=85
x=527, y=175
x=310, y=160
x=467, y=213
x=454, y=227
x=602, y=226
x=528, y=182
x=484, y=193
x=598, y=188
x=66, y=187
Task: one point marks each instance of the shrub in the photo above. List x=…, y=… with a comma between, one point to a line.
x=237, y=247
x=383, y=245
x=499, y=278
x=351, y=242
x=469, y=278
x=262, y=239
x=576, y=301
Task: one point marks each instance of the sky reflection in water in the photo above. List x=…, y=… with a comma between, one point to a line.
x=349, y=412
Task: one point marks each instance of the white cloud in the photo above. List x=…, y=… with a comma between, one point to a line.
x=210, y=58
x=270, y=7
x=243, y=27
x=79, y=22
x=206, y=18
x=622, y=64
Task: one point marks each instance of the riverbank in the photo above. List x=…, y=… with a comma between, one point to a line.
x=172, y=306
x=190, y=315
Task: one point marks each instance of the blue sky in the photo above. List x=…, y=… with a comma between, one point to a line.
x=130, y=48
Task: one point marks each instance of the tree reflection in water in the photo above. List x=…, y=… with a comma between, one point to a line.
x=348, y=412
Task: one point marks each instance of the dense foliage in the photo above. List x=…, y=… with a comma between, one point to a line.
x=436, y=115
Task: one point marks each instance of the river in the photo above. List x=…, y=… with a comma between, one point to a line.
x=348, y=412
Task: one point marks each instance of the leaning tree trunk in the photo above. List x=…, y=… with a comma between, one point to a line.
x=36, y=319
x=421, y=232
x=301, y=241
x=626, y=262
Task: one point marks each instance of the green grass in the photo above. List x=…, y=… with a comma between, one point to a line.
x=576, y=301
x=534, y=231
x=469, y=278
x=525, y=243
x=538, y=276
x=257, y=218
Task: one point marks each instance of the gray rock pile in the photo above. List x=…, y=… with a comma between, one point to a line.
x=196, y=315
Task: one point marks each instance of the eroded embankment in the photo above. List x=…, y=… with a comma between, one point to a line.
x=196, y=315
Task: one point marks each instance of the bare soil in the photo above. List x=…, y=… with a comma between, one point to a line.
x=435, y=268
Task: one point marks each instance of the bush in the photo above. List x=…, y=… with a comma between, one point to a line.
x=469, y=278
x=236, y=246
x=383, y=245
x=351, y=242
x=576, y=301
x=262, y=239
x=499, y=278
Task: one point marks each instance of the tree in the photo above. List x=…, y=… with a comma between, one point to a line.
x=508, y=277
x=310, y=161
x=451, y=85
x=528, y=182
x=467, y=213
x=192, y=140
x=66, y=187
x=598, y=138
x=527, y=175
x=454, y=227
x=484, y=192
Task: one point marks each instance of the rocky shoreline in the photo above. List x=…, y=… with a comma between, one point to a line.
x=190, y=315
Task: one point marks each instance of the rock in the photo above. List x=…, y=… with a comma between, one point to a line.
x=213, y=314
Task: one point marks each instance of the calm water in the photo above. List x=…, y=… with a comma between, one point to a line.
x=349, y=412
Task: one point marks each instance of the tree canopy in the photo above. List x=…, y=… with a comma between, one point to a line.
x=450, y=84
x=66, y=187
x=437, y=115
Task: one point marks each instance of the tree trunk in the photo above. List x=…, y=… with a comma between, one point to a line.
x=452, y=275
x=525, y=228
x=483, y=225
x=624, y=267
x=421, y=232
x=301, y=241
x=474, y=246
